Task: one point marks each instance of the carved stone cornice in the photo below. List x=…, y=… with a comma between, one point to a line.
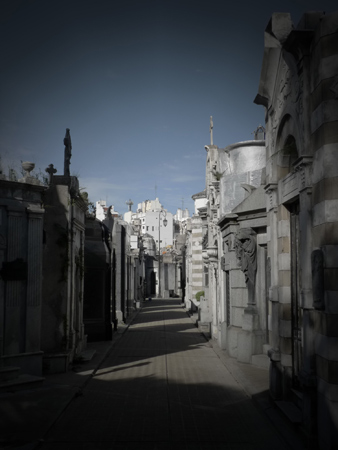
x=203, y=212
x=226, y=220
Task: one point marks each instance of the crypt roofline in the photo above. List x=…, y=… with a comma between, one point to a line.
x=250, y=143
x=202, y=194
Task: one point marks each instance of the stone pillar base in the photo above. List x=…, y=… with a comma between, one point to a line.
x=249, y=343
x=214, y=332
x=204, y=327
x=250, y=319
x=276, y=380
x=119, y=316
x=232, y=340
x=222, y=335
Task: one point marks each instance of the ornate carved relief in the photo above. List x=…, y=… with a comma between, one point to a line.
x=303, y=167
x=245, y=247
x=289, y=90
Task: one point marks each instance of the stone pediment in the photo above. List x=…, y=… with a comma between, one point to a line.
x=256, y=201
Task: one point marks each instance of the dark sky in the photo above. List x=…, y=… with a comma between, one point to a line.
x=136, y=83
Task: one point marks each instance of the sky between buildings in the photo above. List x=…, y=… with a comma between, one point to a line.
x=136, y=81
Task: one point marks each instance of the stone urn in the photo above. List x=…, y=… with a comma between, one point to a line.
x=28, y=167
x=212, y=252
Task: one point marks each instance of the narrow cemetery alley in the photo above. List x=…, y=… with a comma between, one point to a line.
x=162, y=385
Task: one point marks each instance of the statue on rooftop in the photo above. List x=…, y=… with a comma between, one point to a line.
x=68, y=153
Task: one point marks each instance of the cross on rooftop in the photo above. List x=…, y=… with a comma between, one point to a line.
x=50, y=170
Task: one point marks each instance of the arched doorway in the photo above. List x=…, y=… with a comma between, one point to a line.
x=287, y=156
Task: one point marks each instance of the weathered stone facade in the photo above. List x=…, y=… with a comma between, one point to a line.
x=62, y=330
x=270, y=239
x=232, y=174
x=298, y=88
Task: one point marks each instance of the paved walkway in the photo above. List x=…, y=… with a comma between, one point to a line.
x=161, y=386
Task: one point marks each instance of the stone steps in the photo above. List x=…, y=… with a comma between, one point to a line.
x=291, y=411
x=21, y=382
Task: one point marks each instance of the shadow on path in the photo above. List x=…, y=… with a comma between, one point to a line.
x=162, y=387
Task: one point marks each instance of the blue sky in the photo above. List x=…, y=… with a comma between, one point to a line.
x=136, y=83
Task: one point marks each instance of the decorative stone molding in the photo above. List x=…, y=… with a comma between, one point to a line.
x=271, y=191
x=223, y=263
x=300, y=180
x=303, y=168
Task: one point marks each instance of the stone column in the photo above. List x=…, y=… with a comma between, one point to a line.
x=307, y=375
x=273, y=317
x=212, y=252
x=34, y=278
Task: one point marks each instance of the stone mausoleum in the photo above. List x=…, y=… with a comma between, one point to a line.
x=299, y=91
x=21, y=246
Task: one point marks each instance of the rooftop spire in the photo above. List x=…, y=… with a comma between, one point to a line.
x=68, y=153
x=211, y=131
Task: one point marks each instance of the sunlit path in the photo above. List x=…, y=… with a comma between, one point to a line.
x=162, y=387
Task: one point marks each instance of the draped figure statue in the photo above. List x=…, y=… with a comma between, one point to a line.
x=246, y=252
